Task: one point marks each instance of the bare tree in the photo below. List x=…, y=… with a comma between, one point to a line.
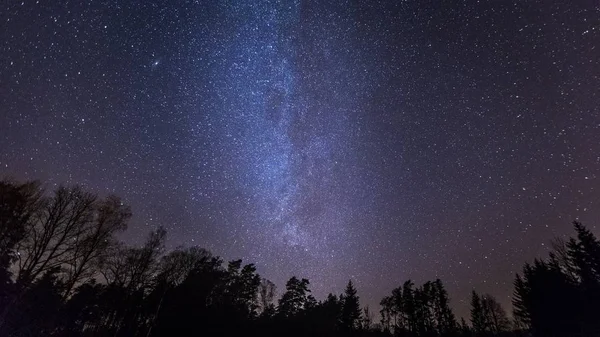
x=52, y=232
x=134, y=271
x=495, y=316
x=93, y=241
x=173, y=270
x=134, y=268
x=175, y=266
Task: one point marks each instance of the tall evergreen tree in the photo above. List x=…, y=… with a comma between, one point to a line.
x=465, y=330
x=350, y=315
x=570, y=278
x=445, y=319
x=408, y=307
x=521, y=303
x=477, y=314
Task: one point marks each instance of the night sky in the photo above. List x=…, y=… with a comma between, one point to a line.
x=371, y=140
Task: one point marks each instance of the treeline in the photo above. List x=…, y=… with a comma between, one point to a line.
x=64, y=273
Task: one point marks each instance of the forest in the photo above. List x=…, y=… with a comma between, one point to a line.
x=63, y=272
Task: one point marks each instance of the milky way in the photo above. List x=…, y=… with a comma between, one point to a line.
x=283, y=121
x=369, y=140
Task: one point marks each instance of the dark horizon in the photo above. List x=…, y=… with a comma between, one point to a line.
x=64, y=272
x=376, y=141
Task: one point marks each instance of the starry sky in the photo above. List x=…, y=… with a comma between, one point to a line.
x=371, y=140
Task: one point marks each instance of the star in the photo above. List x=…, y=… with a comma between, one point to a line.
x=404, y=138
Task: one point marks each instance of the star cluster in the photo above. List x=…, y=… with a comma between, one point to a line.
x=372, y=140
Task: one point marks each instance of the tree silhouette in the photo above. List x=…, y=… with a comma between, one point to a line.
x=446, y=324
x=477, y=314
x=295, y=298
x=422, y=311
x=173, y=271
x=487, y=315
x=192, y=295
x=37, y=310
x=83, y=310
x=72, y=277
x=496, y=318
x=93, y=241
x=59, y=222
x=367, y=319
x=350, y=315
x=266, y=295
x=464, y=328
x=19, y=203
x=571, y=279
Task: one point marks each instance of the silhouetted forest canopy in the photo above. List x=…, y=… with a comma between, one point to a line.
x=64, y=273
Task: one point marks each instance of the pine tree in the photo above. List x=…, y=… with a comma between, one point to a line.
x=295, y=297
x=350, y=315
x=408, y=306
x=571, y=279
x=585, y=251
x=521, y=305
x=477, y=314
x=465, y=330
x=445, y=319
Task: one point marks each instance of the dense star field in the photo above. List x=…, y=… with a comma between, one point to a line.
x=371, y=140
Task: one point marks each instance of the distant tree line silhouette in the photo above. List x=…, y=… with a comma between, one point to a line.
x=64, y=273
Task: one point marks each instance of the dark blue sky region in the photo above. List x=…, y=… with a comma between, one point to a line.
x=371, y=140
